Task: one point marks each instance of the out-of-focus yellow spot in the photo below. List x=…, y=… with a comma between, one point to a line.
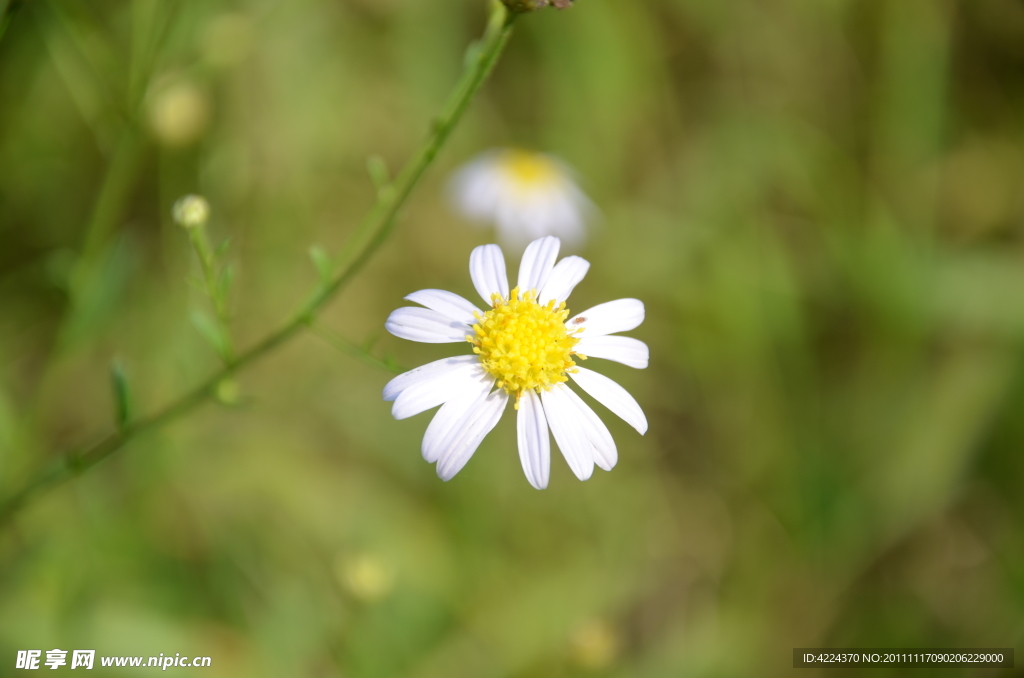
x=526, y=170
x=595, y=645
x=366, y=576
x=179, y=114
x=523, y=344
x=228, y=39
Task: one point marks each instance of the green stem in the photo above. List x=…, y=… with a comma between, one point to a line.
x=346, y=346
x=208, y=263
x=107, y=210
x=366, y=240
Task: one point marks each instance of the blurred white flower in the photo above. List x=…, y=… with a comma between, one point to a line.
x=524, y=344
x=526, y=195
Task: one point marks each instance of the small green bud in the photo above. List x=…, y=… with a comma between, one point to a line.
x=228, y=392
x=192, y=211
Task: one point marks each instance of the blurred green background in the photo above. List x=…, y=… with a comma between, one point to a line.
x=820, y=201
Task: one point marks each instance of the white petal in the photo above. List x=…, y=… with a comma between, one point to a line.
x=534, y=441
x=625, y=350
x=601, y=441
x=442, y=426
x=429, y=393
x=424, y=373
x=469, y=432
x=447, y=304
x=487, y=269
x=567, y=425
x=620, y=315
x=429, y=327
x=538, y=260
x=564, y=277
x=612, y=396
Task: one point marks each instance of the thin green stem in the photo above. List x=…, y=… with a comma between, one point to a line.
x=107, y=210
x=208, y=264
x=357, y=352
x=365, y=242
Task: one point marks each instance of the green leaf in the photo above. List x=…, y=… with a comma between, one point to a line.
x=5, y=18
x=222, y=249
x=322, y=262
x=98, y=294
x=370, y=342
x=210, y=331
x=378, y=172
x=122, y=400
x=224, y=280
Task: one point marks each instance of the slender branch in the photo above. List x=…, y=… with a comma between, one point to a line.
x=346, y=346
x=107, y=209
x=370, y=235
x=208, y=265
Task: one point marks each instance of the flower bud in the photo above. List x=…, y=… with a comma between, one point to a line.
x=192, y=211
x=227, y=392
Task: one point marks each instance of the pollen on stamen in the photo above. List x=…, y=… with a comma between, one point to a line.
x=524, y=344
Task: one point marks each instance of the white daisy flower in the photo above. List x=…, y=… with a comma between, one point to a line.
x=526, y=346
x=526, y=195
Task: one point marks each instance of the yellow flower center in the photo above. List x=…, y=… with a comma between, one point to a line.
x=523, y=344
x=528, y=170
